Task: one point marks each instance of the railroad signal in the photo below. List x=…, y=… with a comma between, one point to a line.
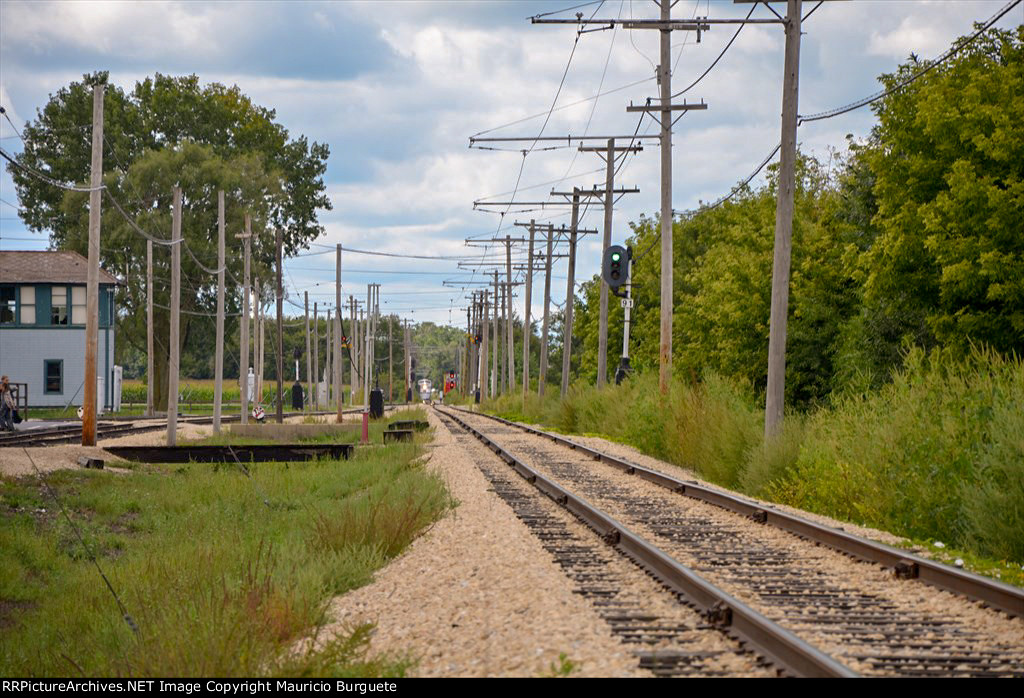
x=615, y=269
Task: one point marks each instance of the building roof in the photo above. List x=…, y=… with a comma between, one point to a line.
x=48, y=266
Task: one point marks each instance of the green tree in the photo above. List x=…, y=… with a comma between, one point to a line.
x=166, y=131
x=948, y=162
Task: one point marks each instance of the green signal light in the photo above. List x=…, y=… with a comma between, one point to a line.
x=615, y=256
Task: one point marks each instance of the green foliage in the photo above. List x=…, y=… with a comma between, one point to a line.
x=948, y=160
x=935, y=454
x=218, y=583
x=563, y=669
x=167, y=131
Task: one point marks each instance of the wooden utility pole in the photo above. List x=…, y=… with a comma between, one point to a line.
x=496, y=350
x=509, y=329
x=484, y=348
x=257, y=348
x=570, y=293
x=542, y=379
x=280, y=332
x=218, y=369
x=149, y=329
x=609, y=153
x=408, y=359
x=665, y=25
x=243, y=345
x=175, y=304
x=92, y=289
x=353, y=352
x=775, y=396
x=327, y=364
x=316, y=358
x=337, y=339
x=309, y=357
x=391, y=370
x=526, y=312
x=667, y=258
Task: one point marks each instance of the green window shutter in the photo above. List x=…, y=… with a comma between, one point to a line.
x=104, y=306
x=42, y=305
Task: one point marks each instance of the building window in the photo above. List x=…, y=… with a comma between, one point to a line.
x=78, y=305
x=54, y=374
x=6, y=304
x=27, y=303
x=59, y=305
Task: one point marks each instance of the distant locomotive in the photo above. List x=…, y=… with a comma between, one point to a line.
x=425, y=388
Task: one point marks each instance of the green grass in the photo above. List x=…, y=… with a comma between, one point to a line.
x=937, y=454
x=351, y=434
x=218, y=582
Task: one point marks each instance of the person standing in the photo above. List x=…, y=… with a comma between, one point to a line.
x=6, y=405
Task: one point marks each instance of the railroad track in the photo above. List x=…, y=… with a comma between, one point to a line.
x=72, y=432
x=862, y=618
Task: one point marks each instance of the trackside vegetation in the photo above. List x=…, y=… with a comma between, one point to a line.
x=937, y=454
x=218, y=581
x=904, y=382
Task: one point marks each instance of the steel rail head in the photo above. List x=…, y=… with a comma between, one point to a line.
x=998, y=595
x=770, y=640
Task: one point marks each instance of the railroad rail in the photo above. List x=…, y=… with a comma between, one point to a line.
x=767, y=638
x=867, y=620
x=998, y=595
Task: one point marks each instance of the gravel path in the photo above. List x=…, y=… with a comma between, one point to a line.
x=478, y=596
x=852, y=610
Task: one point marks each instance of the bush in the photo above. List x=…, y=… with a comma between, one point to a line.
x=938, y=453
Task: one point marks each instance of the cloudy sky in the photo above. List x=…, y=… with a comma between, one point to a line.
x=397, y=88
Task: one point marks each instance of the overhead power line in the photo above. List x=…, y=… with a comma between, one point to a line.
x=44, y=177
x=949, y=53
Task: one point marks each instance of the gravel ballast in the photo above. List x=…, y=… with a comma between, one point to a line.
x=735, y=553
x=477, y=595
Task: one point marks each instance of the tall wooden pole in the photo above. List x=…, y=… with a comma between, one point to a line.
x=609, y=202
x=243, y=344
x=257, y=345
x=526, y=312
x=391, y=369
x=406, y=369
x=92, y=289
x=309, y=358
x=150, y=378
x=543, y=378
x=337, y=337
x=328, y=374
x=496, y=349
x=353, y=351
x=175, y=303
x=509, y=334
x=483, y=361
x=316, y=359
x=665, y=80
x=570, y=292
x=280, y=333
x=775, y=396
x=218, y=369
